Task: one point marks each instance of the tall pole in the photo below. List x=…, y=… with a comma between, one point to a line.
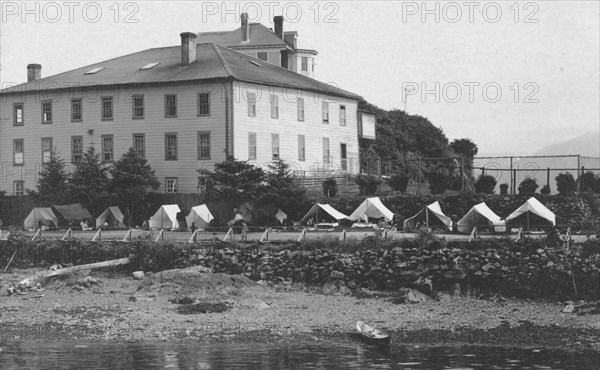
x=419, y=185
x=512, y=190
x=578, y=173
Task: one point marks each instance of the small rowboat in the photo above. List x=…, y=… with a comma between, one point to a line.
x=372, y=334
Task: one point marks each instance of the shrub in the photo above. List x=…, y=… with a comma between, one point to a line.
x=565, y=184
x=545, y=190
x=438, y=182
x=528, y=186
x=588, y=183
x=399, y=182
x=367, y=184
x=485, y=184
x=330, y=187
x=504, y=189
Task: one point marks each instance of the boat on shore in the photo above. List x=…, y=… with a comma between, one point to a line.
x=371, y=334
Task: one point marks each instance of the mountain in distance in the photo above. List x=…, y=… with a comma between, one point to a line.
x=587, y=145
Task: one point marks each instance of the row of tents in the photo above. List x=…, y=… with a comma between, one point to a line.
x=165, y=217
x=432, y=215
x=72, y=213
x=370, y=209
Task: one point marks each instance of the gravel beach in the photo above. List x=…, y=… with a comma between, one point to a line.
x=110, y=307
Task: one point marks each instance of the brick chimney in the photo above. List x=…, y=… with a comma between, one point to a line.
x=34, y=72
x=278, y=20
x=188, y=48
x=245, y=28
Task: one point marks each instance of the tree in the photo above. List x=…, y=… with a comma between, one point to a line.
x=504, y=189
x=132, y=176
x=89, y=182
x=233, y=180
x=282, y=190
x=52, y=185
x=485, y=184
x=399, y=182
x=464, y=147
x=545, y=190
x=367, y=184
x=528, y=186
x=565, y=184
x=330, y=187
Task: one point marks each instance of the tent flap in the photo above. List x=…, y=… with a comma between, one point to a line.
x=40, y=214
x=372, y=208
x=113, y=216
x=329, y=210
x=73, y=212
x=200, y=216
x=534, y=206
x=479, y=215
x=165, y=217
x=431, y=215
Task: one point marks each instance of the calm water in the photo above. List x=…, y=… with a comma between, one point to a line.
x=273, y=356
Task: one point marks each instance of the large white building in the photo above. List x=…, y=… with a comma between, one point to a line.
x=183, y=108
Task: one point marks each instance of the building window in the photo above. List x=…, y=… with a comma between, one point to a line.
x=47, y=112
x=203, y=104
x=19, y=188
x=326, y=154
x=76, y=110
x=300, y=109
x=171, y=185
x=139, y=145
x=275, y=146
x=107, y=148
x=170, y=106
x=301, y=148
x=304, y=65
x=252, y=145
x=107, y=108
x=18, y=152
x=274, y=106
x=204, y=145
x=76, y=148
x=342, y=115
x=138, y=106
x=19, y=112
x=170, y=147
x=325, y=109
x=251, y=104
x=263, y=56
x=46, y=149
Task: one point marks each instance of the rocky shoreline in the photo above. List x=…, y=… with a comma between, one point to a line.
x=111, y=306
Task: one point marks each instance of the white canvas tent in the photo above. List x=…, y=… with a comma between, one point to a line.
x=200, y=216
x=165, y=217
x=534, y=206
x=429, y=216
x=113, y=216
x=320, y=211
x=480, y=215
x=40, y=214
x=372, y=208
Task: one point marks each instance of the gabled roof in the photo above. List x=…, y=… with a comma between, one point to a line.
x=213, y=62
x=259, y=35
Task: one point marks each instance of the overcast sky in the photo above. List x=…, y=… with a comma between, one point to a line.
x=513, y=77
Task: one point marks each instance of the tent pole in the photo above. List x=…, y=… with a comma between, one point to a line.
x=426, y=217
x=527, y=221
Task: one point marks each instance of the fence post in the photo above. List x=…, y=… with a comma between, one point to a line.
x=302, y=236
x=98, y=236
x=229, y=235
x=38, y=235
x=265, y=236
x=67, y=235
x=194, y=237
x=473, y=234
x=344, y=235
x=128, y=236
x=160, y=236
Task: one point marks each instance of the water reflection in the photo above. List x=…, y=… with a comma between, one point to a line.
x=269, y=356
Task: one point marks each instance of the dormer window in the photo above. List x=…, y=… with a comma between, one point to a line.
x=94, y=70
x=263, y=56
x=150, y=65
